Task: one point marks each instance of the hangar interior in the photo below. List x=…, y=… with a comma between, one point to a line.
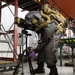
x=65, y=54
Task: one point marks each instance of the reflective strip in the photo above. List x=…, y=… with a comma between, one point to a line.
x=18, y=20
x=67, y=40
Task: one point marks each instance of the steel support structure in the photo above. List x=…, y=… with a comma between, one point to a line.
x=15, y=30
x=15, y=2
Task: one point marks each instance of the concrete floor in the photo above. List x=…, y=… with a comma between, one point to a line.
x=63, y=70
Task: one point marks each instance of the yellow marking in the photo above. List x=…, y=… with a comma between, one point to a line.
x=18, y=20
x=5, y=62
x=60, y=41
x=74, y=40
x=67, y=41
x=70, y=40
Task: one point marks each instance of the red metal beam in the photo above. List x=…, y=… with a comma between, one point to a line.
x=24, y=4
x=28, y=5
x=29, y=9
x=15, y=30
x=65, y=7
x=52, y=3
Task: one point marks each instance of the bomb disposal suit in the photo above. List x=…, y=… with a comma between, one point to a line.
x=50, y=24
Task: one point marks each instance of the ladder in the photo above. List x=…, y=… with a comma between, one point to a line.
x=12, y=50
x=7, y=39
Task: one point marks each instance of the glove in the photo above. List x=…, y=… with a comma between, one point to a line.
x=32, y=55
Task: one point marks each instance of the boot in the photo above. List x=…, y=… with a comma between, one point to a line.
x=53, y=70
x=39, y=69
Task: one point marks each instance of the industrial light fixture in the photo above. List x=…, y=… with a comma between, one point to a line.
x=38, y=0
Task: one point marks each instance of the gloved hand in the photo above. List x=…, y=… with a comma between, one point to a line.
x=32, y=55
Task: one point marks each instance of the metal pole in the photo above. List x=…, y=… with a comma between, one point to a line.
x=15, y=30
x=22, y=54
x=61, y=55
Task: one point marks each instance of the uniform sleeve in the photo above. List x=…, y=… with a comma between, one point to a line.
x=40, y=46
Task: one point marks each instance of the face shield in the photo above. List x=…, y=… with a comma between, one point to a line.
x=33, y=19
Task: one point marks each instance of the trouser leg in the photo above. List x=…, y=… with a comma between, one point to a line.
x=49, y=49
x=53, y=70
x=51, y=54
x=41, y=58
x=40, y=63
x=51, y=63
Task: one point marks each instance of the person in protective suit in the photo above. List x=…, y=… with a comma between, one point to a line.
x=50, y=24
x=51, y=30
x=51, y=34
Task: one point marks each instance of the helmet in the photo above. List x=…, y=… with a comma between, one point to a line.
x=33, y=19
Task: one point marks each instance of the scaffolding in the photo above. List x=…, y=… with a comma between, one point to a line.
x=15, y=26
